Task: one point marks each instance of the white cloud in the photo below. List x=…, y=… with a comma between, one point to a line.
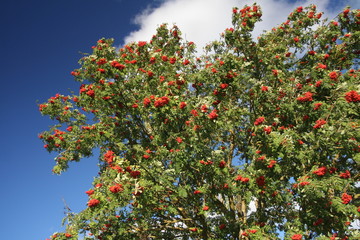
x=252, y=207
x=355, y=4
x=202, y=21
x=199, y=20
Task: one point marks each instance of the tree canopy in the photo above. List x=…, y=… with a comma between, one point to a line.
x=256, y=139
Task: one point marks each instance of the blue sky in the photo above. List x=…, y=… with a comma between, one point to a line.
x=40, y=45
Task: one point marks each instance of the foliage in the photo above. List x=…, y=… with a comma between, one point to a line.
x=189, y=143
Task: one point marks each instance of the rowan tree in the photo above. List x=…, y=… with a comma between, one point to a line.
x=256, y=139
